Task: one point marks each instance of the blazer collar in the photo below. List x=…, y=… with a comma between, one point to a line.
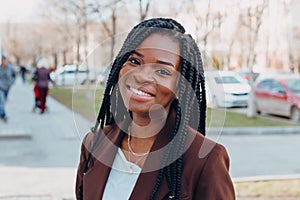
x=96, y=178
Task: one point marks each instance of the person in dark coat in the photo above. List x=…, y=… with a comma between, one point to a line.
x=23, y=72
x=148, y=142
x=42, y=79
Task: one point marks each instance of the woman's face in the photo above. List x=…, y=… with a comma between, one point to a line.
x=150, y=75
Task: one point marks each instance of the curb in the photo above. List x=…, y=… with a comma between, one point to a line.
x=11, y=134
x=266, y=178
x=254, y=130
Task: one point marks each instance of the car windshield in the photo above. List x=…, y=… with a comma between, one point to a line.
x=226, y=80
x=294, y=85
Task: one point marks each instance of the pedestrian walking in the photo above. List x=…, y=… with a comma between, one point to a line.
x=7, y=79
x=42, y=79
x=23, y=72
x=151, y=143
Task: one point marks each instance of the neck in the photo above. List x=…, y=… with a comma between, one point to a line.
x=147, y=125
x=140, y=145
x=146, y=130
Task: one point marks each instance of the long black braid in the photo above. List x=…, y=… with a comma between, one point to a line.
x=191, y=70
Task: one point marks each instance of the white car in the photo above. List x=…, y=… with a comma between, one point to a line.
x=226, y=89
x=70, y=75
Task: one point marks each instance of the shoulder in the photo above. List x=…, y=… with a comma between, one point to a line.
x=206, y=167
x=201, y=151
x=91, y=136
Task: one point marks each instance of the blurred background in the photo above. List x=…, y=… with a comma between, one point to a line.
x=258, y=35
x=251, y=53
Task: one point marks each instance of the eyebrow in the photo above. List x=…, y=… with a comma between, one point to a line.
x=158, y=61
x=138, y=54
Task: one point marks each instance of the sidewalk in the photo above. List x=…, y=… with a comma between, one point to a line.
x=39, y=153
x=23, y=183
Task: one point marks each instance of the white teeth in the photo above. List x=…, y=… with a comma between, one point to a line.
x=138, y=92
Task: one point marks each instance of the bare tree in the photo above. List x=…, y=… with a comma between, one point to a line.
x=208, y=19
x=72, y=24
x=71, y=17
x=107, y=15
x=144, y=12
x=252, y=20
x=291, y=60
x=25, y=42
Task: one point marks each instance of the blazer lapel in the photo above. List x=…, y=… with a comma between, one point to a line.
x=95, y=179
x=147, y=179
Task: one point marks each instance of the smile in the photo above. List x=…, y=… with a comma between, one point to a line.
x=139, y=92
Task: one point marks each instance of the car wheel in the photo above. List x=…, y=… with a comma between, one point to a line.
x=257, y=109
x=295, y=114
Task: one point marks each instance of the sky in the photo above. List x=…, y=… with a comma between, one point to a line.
x=18, y=10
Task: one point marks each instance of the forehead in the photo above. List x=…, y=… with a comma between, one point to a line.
x=161, y=43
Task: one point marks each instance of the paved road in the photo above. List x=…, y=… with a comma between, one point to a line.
x=40, y=161
x=262, y=155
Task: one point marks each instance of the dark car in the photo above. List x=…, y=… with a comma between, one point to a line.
x=279, y=95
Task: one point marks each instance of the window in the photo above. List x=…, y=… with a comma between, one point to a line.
x=277, y=87
x=265, y=85
x=226, y=80
x=294, y=85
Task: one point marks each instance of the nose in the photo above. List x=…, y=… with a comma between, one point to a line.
x=144, y=74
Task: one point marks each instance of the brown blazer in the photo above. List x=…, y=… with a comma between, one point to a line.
x=205, y=167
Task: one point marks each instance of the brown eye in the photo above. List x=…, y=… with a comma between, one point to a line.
x=163, y=72
x=134, y=61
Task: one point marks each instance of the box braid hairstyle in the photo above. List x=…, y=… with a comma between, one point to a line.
x=191, y=68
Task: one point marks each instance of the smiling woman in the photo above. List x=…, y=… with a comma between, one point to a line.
x=150, y=143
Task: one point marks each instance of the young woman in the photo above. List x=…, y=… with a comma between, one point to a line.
x=151, y=143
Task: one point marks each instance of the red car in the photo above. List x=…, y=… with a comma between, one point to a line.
x=279, y=95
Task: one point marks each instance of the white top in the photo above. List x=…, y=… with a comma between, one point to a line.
x=122, y=178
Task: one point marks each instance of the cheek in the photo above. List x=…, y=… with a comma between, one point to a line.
x=123, y=71
x=170, y=86
x=168, y=90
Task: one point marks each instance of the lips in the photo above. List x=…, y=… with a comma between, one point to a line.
x=141, y=91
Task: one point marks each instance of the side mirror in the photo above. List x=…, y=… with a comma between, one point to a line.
x=281, y=91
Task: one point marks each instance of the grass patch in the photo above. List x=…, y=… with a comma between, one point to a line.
x=87, y=103
x=267, y=190
x=232, y=119
x=80, y=100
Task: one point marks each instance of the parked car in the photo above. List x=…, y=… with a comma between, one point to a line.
x=278, y=95
x=72, y=75
x=226, y=89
